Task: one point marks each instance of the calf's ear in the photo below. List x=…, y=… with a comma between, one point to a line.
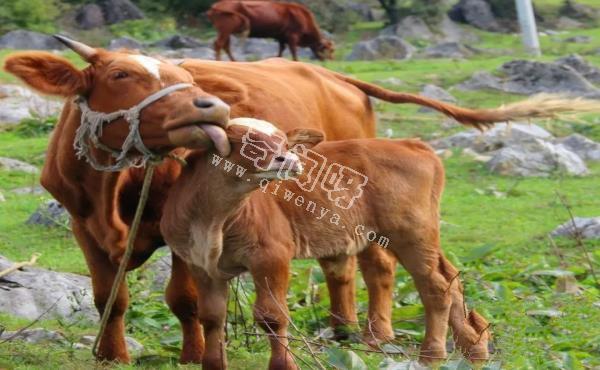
x=304, y=136
x=47, y=73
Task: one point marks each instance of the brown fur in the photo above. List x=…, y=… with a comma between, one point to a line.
x=259, y=231
x=288, y=23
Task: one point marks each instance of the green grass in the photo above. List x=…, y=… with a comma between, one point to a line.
x=497, y=243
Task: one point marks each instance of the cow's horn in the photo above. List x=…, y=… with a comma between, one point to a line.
x=86, y=52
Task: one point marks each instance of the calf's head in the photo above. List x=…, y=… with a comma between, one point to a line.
x=116, y=81
x=262, y=150
x=323, y=49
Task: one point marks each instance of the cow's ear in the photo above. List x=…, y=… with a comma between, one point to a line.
x=304, y=136
x=47, y=73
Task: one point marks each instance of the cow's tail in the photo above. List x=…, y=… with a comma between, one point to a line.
x=539, y=106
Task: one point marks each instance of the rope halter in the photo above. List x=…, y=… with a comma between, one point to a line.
x=90, y=131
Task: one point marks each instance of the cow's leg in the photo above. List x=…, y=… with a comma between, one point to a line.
x=470, y=330
x=220, y=42
x=378, y=269
x=271, y=278
x=340, y=272
x=422, y=259
x=212, y=313
x=228, y=49
x=182, y=298
x=281, y=48
x=112, y=345
x=292, y=40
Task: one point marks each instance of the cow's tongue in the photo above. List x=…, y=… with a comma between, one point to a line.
x=218, y=137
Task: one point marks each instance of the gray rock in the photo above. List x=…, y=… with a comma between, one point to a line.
x=31, y=291
x=90, y=16
x=49, y=214
x=449, y=31
x=477, y=13
x=527, y=78
x=382, y=47
x=536, y=158
x=587, y=228
x=18, y=103
x=31, y=190
x=448, y=50
x=29, y=40
x=35, y=336
x=116, y=11
x=159, y=272
x=179, y=42
x=578, y=63
x=390, y=81
x=435, y=92
x=410, y=27
x=500, y=136
x=125, y=43
x=135, y=347
x=587, y=149
x=579, y=39
x=11, y=164
x=566, y=23
x=256, y=49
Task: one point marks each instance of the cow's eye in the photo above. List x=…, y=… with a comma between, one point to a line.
x=120, y=75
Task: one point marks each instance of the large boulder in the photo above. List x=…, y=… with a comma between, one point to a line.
x=477, y=13
x=18, y=103
x=587, y=228
x=435, y=92
x=29, y=40
x=11, y=164
x=536, y=158
x=382, y=47
x=528, y=77
x=125, y=43
x=90, y=16
x=31, y=292
x=498, y=137
x=116, y=11
x=34, y=336
x=587, y=149
x=196, y=53
x=448, y=50
x=578, y=63
x=410, y=27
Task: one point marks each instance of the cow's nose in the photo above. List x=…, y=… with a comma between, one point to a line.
x=213, y=110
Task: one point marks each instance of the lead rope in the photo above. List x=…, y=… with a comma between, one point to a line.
x=126, y=256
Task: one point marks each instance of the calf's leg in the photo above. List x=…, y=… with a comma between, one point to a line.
x=271, y=278
x=378, y=269
x=469, y=329
x=212, y=313
x=340, y=274
x=281, y=48
x=112, y=346
x=182, y=298
x=422, y=259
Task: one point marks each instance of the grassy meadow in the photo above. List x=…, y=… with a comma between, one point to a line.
x=495, y=230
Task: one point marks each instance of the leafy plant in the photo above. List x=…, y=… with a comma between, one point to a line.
x=35, y=127
x=36, y=15
x=146, y=29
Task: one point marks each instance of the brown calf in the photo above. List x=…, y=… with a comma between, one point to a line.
x=259, y=225
x=288, y=23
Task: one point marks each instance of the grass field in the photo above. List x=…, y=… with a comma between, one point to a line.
x=500, y=244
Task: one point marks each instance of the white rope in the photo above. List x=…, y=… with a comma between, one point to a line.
x=90, y=131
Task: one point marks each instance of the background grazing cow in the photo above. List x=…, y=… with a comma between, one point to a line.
x=221, y=224
x=291, y=95
x=288, y=23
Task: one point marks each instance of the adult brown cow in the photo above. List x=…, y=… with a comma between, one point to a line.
x=288, y=94
x=288, y=23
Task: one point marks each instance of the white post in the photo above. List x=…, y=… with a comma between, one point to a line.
x=528, y=27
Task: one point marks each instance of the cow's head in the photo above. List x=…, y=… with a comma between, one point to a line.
x=116, y=81
x=324, y=49
x=264, y=151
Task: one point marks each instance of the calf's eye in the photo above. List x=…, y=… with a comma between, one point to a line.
x=120, y=75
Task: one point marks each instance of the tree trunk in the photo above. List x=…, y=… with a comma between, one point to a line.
x=391, y=10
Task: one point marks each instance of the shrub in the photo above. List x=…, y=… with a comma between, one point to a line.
x=35, y=127
x=145, y=29
x=36, y=15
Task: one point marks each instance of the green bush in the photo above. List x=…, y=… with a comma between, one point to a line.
x=35, y=127
x=146, y=29
x=36, y=15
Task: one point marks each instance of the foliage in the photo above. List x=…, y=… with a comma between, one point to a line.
x=145, y=29
x=34, y=127
x=429, y=10
x=35, y=15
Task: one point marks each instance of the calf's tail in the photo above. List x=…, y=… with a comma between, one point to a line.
x=539, y=106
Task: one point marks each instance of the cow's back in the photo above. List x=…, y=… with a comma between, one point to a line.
x=289, y=94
